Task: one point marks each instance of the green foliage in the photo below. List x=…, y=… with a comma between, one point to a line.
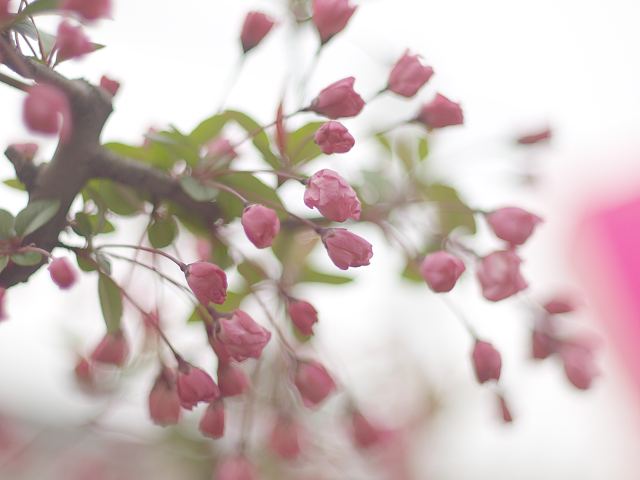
x=452, y=211
x=35, y=215
x=110, y=302
x=112, y=196
x=162, y=231
x=6, y=225
x=26, y=259
x=300, y=145
x=15, y=184
x=197, y=190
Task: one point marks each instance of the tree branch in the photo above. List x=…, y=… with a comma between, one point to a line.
x=26, y=170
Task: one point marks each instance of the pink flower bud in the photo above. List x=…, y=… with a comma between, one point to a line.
x=72, y=42
x=313, y=382
x=505, y=411
x=62, y=273
x=3, y=294
x=441, y=112
x=46, y=110
x=113, y=349
x=208, y=282
x=241, y=337
x=285, y=438
x=499, y=275
x=542, y=345
x=333, y=137
x=212, y=422
x=365, y=433
x=261, y=225
x=256, y=26
x=27, y=150
x=232, y=380
x=331, y=16
x=303, y=316
x=535, y=137
x=579, y=365
x=409, y=75
x=338, y=100
x=346, y=249
x=88, y=9
x=109, y=85
x=221, y=147
x=441, y=270
x=487, y=362
x=559, y=305
x=164, y=403
x=332, y=196
x=195, y=386
x=512, y=224
x=236, y=467
x=84, y=375
x=4, y=10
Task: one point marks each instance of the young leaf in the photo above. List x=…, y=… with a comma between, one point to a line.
x=198, y=191
x=6, y=225
x=35, y=215
x=110, y=302
x=4, y=260
x=310, y=275
x=26, y=259
x=162, y=232
x=301, y=147
x=15, y=184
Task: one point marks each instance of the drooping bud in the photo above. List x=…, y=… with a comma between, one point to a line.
x=46, y=110
x=232, y=380
x=499, y=275
x=487, y=362
x=441, y=270
x=512, y=224
x=109, y=85
x=330, y=17
x=338, y=100
x=62, y=273
x=303, y=316
x=579, y=364
x=559, y=305
x=535, y=137
x=241, y=337
x=261, y=225
x=313, y=382
x=212, y=422
x=195, y=386
x=441, y=112
x=164, y=402
x=408, y=75
x=346, y=249
x=71, y=42
x=332, y=196
x=208, y=282
x=88, y=9
x=333, y=137
x=236, y=467
x=84, y=374
x=256, y=26
x=113, y=349
x=285, y=438
x=543, y=345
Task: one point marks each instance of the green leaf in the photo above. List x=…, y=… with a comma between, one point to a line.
x=198, y=191
x=452, y=211
x=26, y=259
x=103, y=263
x=300, y=145
x=412, y=273
x=252, y=189
x=87, y=225
x=85, y=263
x=310, y=275
x=35, y=215
x=38, y=6
x=152, y=153
x=110, y=302
x=25, y=27
x=4, y=260
x=119, y=199
x=162, y=232
x=423, y=148
x=6, y=225
x=251, y=272
x=180, y=146
x=15, y=184
x=232, y=302
x=260, y=138
x=208, y=129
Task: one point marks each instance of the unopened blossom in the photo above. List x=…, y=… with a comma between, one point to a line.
x=408, y=75
x=441, y=270
x=212, y=422
x=113, y=349
x=346, y=249
x=46, y=110
x=505, y=411
x=313, y=382
x=84, y=374
x=499, y=275
x=285, y=438
x=62, y=273
x=512, y=224
x=332, y=196
x=256, y=26
x=235, y=467
x=303, y=315
x=330, y=17
x=221, y=147
x=109, y=85
x=365, y=433
x=26, y=150
x=71, y=42
x=232, y=380
x=195, y=386
x=333, y=137
x=487, y=362
x=164, y=402
x=535, y=137
x=440, y=112
x=338, y=100
x=261, y=225
x=559, y=304
x=207, y=281
x=543, y=345
x=4, y=10
x=88, y=9
x=579, y=364
x=241, y=337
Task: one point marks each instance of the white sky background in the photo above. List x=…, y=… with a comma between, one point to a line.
x=512, y=63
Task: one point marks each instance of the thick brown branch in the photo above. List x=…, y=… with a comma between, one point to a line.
x=26, y=170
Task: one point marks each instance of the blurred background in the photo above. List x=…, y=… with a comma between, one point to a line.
x=516, y=66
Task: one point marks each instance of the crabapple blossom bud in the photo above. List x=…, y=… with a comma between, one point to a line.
x=71, y=42
x=346, y=249
x=505, y=411
x=212, y=422
x=84, y=375
x=236, y=467
x=261, y=225
x=46, y=110
x=62, y=273
x=487, y=361
x=164, y=403
x=195, y=386
x=408, y=75
x=232, y=380
x=543, y=345
x=113, y=349
x=535, y=137
x=499, y=275
x=285, y=438
x=333, y=137
x=440, y=112
x=221, y=147
x=441, y=270
x=241, y=337
x=338, y=100
x=512, y=224
x=88, y=9
x=256, y=26
x=558, y=305
x=313, y=382
x=365, y=433
x=207, y=281
x=109, y=85
x=331, y=16
x=3, y=294
x=579, y=365
x=27, y=150
x=303, y=316
x=4, y=10
x=332, y=196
